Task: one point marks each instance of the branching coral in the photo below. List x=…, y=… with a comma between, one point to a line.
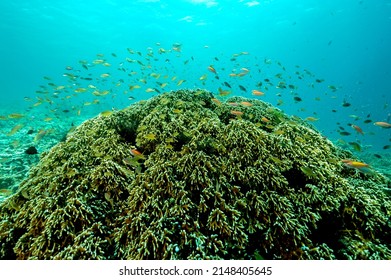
x=180, y=176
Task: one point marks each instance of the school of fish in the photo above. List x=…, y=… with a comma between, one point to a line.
x=94, y=84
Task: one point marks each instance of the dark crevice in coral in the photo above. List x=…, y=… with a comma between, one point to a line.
x=126, y=127
x=182, y=140
x=328, y=231
x=207, y=146
x=8, y=247
x=254, y=242
x=296, y=178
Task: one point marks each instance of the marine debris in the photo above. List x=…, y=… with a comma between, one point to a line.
x=180, y=176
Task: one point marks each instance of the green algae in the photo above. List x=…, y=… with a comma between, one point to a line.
x=209, y=185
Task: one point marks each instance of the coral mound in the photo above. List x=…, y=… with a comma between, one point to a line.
x=185, y=176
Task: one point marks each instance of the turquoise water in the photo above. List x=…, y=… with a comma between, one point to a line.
x=332, y=55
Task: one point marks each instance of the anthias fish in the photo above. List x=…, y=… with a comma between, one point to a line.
x=383, y=124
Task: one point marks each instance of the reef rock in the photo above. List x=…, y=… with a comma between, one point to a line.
x=185, y=176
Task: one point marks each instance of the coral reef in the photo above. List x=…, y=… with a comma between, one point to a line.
x=184, y=176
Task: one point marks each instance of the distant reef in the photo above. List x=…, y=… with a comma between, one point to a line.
x=184, y=175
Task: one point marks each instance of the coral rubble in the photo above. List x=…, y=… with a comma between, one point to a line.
x=180, y=176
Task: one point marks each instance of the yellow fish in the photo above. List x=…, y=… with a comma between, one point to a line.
x=41, y=134
x=164, y=101
x=98, y=61
x=79, y=90
x=198, y=92
x=155, y=75
x=150, y=136
x=15, y=116
x=203, y=77
x=311, y=119
x=308, y=171
x=354, y=164
x=360, y=166
x=106, y=113
x=212, y=69
x=100, y=93
x=15, y=129
x=134, y=87
x=224, y=92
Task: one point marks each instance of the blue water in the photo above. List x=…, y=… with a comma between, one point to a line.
x=344, y=42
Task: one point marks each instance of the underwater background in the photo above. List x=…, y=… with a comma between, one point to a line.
x=65, y=62
x=195, y=129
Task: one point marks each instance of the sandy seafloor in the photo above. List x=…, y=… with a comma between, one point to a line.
x=15, y=163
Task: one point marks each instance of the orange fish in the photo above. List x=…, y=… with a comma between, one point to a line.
x=241, y=74
x=136, y=153
x=246, y=103
x=211, y=69
x=264, y=119
x=383, y=124
x=358, y=129
x=257, y=92
x=236, y=113
x=216, y=101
